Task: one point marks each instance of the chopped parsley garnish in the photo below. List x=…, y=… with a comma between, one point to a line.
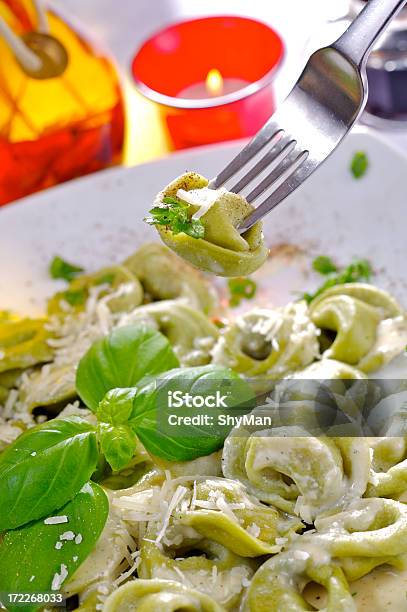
x=324, y=265
x=358, y=271
x=359, y=165
x=173, y=214
x=241, y=289
x=59, y=268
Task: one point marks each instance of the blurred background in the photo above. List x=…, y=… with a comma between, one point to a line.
x=80, y=89
x=122, y=26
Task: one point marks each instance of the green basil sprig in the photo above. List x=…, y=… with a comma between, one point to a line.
x=117, y=441
x=45, y=468
x=122, y=359
x=40, y=556
x=118, y=444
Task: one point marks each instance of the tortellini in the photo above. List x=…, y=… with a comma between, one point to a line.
x=369, y=327
x=279, y=583
x=23, y=342
x=165, y=276
x=388, y=476
x=159, y=595
x=223, y=250
x=211, y=532
x=268, y=344
x=206, y=565
x=329, y=369
x=370, y=528
x=344, y=547
x=121, y=290
x=296, y=471
x=247, y=527
x=190, y=332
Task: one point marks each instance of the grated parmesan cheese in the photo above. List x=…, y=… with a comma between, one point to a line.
x=205, y=198
x=58, y=579
x=56, y=520
x=67, y=535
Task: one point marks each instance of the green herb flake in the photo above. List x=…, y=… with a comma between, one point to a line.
x=174, y=215
x=324, y=265
x=359, y=165
x=241, y=289
x=75, y=298
x=359, y=270
x=59, y=268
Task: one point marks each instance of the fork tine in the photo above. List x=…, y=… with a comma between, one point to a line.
x=272, y=158
x=287, y=162
x=270, y=133
x=292, y=177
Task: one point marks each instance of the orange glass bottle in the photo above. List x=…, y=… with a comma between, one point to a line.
x=54, y=127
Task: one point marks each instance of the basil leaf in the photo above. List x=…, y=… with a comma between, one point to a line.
x=118, y=444
x=157, y=403
x=32, y=558
x=59, y=268
x=45, y=468
x=121, y=359
x=117, y=406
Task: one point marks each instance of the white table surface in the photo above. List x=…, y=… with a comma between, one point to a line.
x=122, y=25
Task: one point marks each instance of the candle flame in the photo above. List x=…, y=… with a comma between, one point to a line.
x=214, y=82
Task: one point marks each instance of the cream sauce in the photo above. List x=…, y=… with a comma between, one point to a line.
x=382, y=590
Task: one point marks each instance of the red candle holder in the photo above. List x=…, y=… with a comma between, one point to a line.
x=235, y=56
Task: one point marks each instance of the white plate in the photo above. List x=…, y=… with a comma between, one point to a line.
x=97, y=220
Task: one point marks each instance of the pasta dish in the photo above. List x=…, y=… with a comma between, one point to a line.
x=287, y=492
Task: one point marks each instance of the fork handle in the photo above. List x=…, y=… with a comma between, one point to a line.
x=364, y=31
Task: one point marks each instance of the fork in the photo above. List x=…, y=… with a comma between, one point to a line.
x=323, y=106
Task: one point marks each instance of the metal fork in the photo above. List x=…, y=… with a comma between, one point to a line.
x=318, y=113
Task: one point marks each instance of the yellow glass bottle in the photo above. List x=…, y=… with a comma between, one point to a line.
x=61, y=108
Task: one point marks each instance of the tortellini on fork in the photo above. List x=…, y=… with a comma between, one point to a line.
x=222, y=250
